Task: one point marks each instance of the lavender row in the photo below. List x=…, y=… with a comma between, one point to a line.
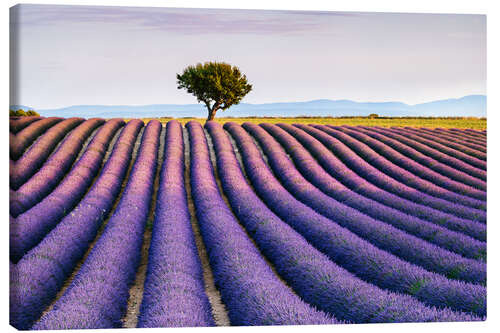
x=97, y=296
x=382, y=235
x=384, y=166
x=33, y=159
x=16, y=124
x=478, y=135
x=314, y=277
x=251, y=291
x=314, y=173
x=461, y=137
x=378, y=178
x=433, y=153
x=476, y=132
x=41, y=273
x=452, y=180
x=471, y=160
x=29, y=228
x=456, y=169
x=480, y=146
x=456, y=146
x=85, y=169
x=475, y=180
x=458, y=134
x=174, y=293
x=349, y=250
x=426, y=152
x=332, y=164
x=24, y=138
x=480, y=138
x=55, y=169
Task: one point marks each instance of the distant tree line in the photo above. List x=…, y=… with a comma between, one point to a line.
x=22, y=113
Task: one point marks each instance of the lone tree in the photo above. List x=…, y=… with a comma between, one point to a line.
x=217, y=84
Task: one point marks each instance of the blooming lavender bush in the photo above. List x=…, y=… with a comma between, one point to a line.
x=476, y=162
x=394, y=172
x=36, y=155
x=446, y=136
x=310, y=273
x=384, y=236
x=18, y=124
x=98, y=294
x=334, y=166
x=30, y=227
x=252, y=292
x=349, y=250
x=174, y=292
x=431, y=152
x=421, y=171
x=40, y=274
x=310, y=169
x=474, y=152
x=56, y=167
x=25, y=137
x=470, y=133
x=294, y=224
x=475, y=179
x=380, y=179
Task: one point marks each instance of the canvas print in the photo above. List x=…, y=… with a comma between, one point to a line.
x=223, y=167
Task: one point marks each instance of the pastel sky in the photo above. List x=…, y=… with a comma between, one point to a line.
x=71, y=55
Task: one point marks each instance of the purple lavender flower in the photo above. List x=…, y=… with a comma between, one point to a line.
x=40, y=274
x=349, y=250
x=251, y=291
x=25, y=137
x=98, y=294
x=174, y=293
x=39, y=151
x=410, y=163
x=476, y=162
x=380, y=179
x=315, y=278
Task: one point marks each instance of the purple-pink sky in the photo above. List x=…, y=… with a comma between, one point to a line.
x=70, y=55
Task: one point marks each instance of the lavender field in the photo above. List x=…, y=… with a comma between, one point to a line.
x=126, y=224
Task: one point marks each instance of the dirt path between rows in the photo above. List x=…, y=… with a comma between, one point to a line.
x=219, y=311
x=137, y=290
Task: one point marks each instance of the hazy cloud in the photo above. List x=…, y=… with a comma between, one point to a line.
x=187, y=21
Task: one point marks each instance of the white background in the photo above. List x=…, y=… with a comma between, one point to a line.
x=422, y=6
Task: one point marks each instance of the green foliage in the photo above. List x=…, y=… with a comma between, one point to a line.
x=373, y=115
x=217, y=84
x=32, y=113
x=416, y=286
x=22, y=113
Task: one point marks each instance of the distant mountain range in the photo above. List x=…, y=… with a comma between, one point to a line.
x=467, y=106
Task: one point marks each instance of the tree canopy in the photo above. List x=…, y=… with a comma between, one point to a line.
x=217, y=84
x=32, y=113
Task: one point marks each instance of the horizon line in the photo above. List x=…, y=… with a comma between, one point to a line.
x=279, y=102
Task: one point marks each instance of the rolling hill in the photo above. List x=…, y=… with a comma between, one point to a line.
x=467, y=106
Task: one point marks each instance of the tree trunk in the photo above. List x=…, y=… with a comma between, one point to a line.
x=211, y=114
